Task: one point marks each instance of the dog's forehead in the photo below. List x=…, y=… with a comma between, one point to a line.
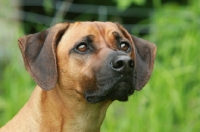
x=102, y=32
x=94, y=28
x=100, y=26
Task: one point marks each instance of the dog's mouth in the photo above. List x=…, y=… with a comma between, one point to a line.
x=114, y=89
x=121, y=91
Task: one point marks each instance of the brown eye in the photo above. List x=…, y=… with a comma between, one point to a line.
x=82, y=47
x=124, y=46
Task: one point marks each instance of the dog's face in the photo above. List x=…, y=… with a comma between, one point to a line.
x=100, y=58
x=101, y=61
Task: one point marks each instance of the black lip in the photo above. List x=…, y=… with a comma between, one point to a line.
x=118, y=88
x=121, y=91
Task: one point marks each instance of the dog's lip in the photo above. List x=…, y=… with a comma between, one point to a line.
x=123, y=87
x=120, y=85
x=95, y=98
x=111, y=85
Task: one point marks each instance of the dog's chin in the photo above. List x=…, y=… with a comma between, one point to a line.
x=120, y=91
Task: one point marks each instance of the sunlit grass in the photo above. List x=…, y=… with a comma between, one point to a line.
x=15, y=85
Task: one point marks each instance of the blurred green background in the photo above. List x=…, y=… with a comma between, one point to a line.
x=170, y=102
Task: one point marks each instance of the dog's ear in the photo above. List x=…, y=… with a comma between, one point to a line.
x=39, y=54
x=144, y=56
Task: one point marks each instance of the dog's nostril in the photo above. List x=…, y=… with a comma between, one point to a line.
x=131, y=63
x=89, y=99
x=118, y=64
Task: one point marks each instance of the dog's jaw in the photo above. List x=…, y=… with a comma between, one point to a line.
x=117, y=90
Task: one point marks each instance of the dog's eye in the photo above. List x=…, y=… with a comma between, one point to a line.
x=82, y=47
x=124, y=46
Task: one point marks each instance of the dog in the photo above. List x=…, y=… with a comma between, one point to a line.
x=80, y=68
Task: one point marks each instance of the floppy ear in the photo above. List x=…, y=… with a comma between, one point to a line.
x=144, y=56
x=39, y=54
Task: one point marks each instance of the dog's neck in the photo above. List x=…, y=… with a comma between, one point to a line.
x=71, y=112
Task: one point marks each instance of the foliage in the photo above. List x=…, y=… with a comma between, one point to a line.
x=16, y=85
x=123, y=4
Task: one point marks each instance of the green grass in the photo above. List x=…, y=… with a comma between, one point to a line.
x=16, y=85
x=168, y=103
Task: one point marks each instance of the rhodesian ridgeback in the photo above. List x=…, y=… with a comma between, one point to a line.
x=80, y=69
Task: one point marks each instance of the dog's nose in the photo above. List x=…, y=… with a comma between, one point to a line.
x=122, y=63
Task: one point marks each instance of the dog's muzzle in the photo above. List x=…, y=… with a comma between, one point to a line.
x=114, y=80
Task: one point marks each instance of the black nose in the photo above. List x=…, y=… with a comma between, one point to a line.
x=122, y=63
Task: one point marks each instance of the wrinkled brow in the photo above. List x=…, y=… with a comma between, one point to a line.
x=88, y=38
x=117, y=35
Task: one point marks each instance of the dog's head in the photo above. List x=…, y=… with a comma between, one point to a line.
x=100, y=60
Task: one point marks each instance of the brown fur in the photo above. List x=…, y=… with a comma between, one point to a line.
x=57, y=103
